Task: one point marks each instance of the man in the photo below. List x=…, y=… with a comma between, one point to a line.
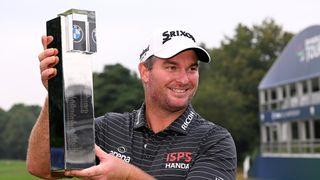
x=165, y=138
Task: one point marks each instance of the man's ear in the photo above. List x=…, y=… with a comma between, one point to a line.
x=144, y=72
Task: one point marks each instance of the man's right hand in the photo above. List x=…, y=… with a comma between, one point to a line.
x=48, y=59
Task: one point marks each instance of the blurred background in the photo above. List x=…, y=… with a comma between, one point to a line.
x=244, y=39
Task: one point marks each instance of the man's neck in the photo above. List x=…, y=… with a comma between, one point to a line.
x=159, y=119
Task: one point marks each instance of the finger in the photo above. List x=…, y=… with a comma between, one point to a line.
x=48, y=63
x=88, y=172
x=47, y=53
x=98, y=177
x=48, y=74
x=46, y=40
x=49, y=39
x=95, y=177
x=100, y=153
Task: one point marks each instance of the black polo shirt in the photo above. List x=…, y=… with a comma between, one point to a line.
x=190, y=148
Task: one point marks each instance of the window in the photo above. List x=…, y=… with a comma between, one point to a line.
x=294, y=130
x=304, y=87
x=273, y=94
x=265, y=94
x=317, y=128
x=315, y=85
x=293, y=91
x=284, y=92
x=307, y=129
x=268, y=133
x=275, y=134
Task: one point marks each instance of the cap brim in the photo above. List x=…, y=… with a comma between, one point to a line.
x=172, y=51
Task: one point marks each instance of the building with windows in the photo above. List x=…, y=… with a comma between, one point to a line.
x=289, y=102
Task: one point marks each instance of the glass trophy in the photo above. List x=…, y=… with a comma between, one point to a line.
x=71, y=114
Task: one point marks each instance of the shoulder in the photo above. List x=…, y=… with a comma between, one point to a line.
x=214, y=135
x=216, y=157
x=211, y=129
x=113, y=117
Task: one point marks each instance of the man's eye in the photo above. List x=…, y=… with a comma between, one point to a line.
x=195, y=68
x=171, y=68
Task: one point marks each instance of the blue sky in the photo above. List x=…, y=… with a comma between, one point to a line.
x=122, y=28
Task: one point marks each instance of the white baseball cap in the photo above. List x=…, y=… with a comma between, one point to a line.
x=167, y=42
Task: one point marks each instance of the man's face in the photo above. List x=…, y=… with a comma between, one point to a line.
x=171, y=83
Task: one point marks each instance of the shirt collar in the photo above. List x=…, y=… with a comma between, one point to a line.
x=139, y=119
x=181, y=124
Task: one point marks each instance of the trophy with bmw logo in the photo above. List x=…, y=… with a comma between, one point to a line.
x=70, y=92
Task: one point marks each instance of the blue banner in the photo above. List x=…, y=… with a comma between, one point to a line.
x=291, y=114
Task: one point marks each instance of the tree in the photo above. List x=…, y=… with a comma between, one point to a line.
x=3, y=122
x=232, y=79
x=116, y=89
x=20, y=120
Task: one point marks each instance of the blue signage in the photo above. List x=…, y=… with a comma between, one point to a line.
x=299, y=60
x=299, y=113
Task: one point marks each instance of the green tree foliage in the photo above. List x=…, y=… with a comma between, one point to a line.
x=116, y=89
x=228, y=93
x=3, y=122
x=15, y=131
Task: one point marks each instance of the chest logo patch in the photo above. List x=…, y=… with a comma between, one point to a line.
x=120, y=154
x=178, y=160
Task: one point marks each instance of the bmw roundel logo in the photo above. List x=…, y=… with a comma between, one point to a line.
x=77, y=33
x=93, y=35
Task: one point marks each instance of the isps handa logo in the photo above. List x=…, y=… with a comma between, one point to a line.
x=178, y=160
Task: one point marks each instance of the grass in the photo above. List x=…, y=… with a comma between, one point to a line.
x=14, y=170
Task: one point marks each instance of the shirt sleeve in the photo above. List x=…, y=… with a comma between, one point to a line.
x=216, y=158
x=98, y=130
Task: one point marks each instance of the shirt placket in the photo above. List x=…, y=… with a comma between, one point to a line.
x=150, y=149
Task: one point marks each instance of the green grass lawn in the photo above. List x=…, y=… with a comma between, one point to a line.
x=14, y=170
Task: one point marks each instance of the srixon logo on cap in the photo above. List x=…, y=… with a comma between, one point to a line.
x=168, y=35
x=144, y=51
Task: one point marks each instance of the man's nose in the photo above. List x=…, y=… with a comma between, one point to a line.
x=182, y=76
